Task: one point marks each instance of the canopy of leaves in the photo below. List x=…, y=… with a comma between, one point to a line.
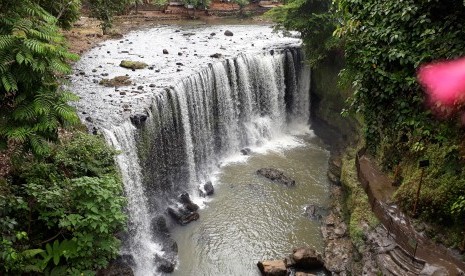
x=105, y=10
x=66, y=11
x=62, y=214
x=385, y=42
x=33, y=59
x=313, y=19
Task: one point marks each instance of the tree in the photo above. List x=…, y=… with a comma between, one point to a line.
x=33, y=60
x=105, y=10
x=242, y=4
x=66, y=11
x=313, y=19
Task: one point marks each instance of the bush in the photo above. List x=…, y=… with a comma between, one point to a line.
x=62, y=212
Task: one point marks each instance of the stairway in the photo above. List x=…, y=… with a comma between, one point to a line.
x=397, y=262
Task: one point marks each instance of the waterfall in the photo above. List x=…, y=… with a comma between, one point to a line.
x=197, y=123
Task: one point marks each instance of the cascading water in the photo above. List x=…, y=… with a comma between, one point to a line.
x=195, y=125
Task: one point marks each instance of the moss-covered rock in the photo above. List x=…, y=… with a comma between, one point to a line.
x=129, y=64
x=116, y=81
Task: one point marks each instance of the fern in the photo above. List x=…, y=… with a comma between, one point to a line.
x=33, y=57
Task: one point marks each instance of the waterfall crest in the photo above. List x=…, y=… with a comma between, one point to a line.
x=195, y=124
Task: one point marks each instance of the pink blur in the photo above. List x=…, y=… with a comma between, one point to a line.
x=444, y=81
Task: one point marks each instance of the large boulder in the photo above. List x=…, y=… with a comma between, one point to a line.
x=272, y=268
x=159, y=225
x=181, y=216
x=187, y=202
x=305, y=258
x=276, y=175
x=129, y=64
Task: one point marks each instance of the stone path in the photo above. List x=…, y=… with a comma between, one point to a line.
x=414, y=254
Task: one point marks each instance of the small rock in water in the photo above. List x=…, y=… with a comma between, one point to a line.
x=246, y=151
x=179, y=54
x=165, y=51
x=208, y=187
x=228, y=33
x=276, y=175
x=216, y=55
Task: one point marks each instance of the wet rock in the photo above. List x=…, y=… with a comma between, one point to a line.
x=165, y=52
x=212, y=34
x=333, y=178
x=276, y=175
x=178, y=70
x=138, y=119
x=159, y=225
x=82, y=73
x=169, y=245
x=179, y=63
x=89, y=119
x=104, y=74
x=179, y=54
x=181, y=216
x=129, y=64
x=116, y=81
x=271, y=52
x=228, y=33
x=140, y=87
x=216, y=55
x=246, y=151
x=187, y=202
x=165, y=265
x=208, y=187
x=94, y=70
x=152, y=85
x=314, y=212
x=272, y=268
x=306, y=258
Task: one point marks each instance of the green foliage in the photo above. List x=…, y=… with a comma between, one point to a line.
x=66, y=11
x=65, y=208
x=385, y=42
x=105, y=10
x=33, y=59
x=315, y=22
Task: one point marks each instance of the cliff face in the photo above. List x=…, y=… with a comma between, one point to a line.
x=328, y=100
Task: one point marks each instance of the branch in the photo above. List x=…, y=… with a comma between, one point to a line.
x=52, y=238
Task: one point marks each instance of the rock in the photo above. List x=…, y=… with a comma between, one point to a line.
x=333, y=178
x=181, y=216
x=431, y=270
x=228, y=33
x=165, y=52
x=164, y=265
x=212, y=34
x=140, y=87
x=306, y=258
x=133, y=64
x=169, y=245
x=159, y=225
x=179, y=54
x=208, y=187
x=94, y=70
x=187, y=202
x=179, y=63
x=276, y=175
x=152, y=85
x=246, y=151
x=314, y=212
x=116, y=81
x=300, y=273
x=271, y=52
x=272, y=268
x=138, y=119
x=216, y=55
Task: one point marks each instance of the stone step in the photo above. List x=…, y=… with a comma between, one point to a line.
x=406, y=261
x=390, y=268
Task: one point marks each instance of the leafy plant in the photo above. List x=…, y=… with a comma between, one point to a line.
x=33, y=59
x=74, y=193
